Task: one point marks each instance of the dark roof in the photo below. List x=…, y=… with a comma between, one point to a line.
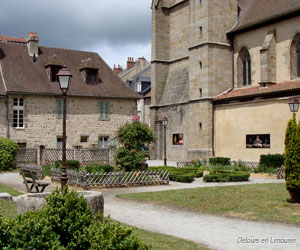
x=258, y=12
x=22, y=75
x=284, y=87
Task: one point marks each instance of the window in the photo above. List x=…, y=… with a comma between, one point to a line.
x=104, y=111
x=244, y=67
x=91, y=76
x=177, y=139
x=84, y=138
x=53, y=73
x=139, y=87
x=103, y=141
x=200, y=65
x=295, y=57
x=200, y=30
x=59, y=142
x=60, y=108
x=138, y=102
x=18, y=113
x=258, y=141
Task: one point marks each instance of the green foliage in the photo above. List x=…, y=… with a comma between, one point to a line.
x=135, y=135
x=71, y=165
x=134, y=138
x=185, y=174
x=219, y=161
x=47, y=170
x=8, y=152
x=272, y=160
x=226, y=176
x=130, y=159
x=98, y=167
x=65, y=222
x=262, y=168
x=292, y=159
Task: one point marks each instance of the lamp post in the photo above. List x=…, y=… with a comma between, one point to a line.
x=64, y=79
x=165, y=124
x=294, y=105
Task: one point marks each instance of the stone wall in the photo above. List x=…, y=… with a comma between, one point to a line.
x=42, y=127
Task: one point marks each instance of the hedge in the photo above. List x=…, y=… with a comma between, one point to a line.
x=71, y=165
x=219, y=161
x=226, y=176
x=8, y=152
x=272, y=160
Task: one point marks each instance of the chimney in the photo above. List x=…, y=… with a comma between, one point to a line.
x=33, y=44
x=117, y=70
x=130, y=63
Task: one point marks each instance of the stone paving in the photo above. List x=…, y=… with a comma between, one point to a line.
x=216, y=232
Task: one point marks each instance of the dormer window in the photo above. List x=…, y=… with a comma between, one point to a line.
x=53, y=72
x=91, y=76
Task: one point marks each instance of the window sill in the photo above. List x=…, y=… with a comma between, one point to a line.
x=19, y=128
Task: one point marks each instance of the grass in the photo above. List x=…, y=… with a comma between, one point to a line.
x=165, y=242
x=263, y=202
x=8, y=209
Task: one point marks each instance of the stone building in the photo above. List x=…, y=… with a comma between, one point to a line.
x=223, y=73
x=98, y=102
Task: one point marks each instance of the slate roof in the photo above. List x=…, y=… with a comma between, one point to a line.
x=13, y=39
x=283, y=87
x=24, y=76
x=255, y=12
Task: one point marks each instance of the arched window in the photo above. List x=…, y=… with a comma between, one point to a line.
x=295, y=57
x=244, y=68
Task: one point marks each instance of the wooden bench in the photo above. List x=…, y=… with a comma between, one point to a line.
x=33, y=176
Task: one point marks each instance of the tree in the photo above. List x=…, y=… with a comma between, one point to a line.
x=292, y=159
x=134, y=138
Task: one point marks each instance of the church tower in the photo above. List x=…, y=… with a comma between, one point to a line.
x=191, y=64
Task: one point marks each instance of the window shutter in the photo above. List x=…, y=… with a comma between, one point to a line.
x=59, y=108
x=104, y=111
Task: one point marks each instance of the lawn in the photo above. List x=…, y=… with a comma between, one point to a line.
x=8, y=209
x=263, y=202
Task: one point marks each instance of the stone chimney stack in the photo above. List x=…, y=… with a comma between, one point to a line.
x=117, y=70
x=130, y=63
x=33, y=44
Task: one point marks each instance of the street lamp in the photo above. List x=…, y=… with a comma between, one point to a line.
x=64, y=80
x=294, y=105
x=164, y=122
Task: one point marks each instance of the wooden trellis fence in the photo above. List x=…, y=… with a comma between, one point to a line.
x=250, y=164
x=51, y=155
x=27, y=156
x=113, y=179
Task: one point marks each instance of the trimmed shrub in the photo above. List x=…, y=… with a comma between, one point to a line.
x=182, y=177
x=47, y=170
x=292, y=159
x=8, y=152
x=98, y=168
x=272, y=161
x=65, y=222
x=219, y=161
x=71, y=165
x=226, y=176
x=130, y=159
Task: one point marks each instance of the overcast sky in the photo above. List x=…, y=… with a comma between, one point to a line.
x=115, y=29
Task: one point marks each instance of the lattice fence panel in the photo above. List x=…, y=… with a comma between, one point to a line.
x=181, y=164
x=51, y=155
x=95, y=155
x=27, y=156
x=113, y=179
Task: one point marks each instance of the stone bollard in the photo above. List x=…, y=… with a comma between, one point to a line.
x=35, y=201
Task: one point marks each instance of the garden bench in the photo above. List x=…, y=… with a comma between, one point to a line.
x=33, y=175
x=280, y=172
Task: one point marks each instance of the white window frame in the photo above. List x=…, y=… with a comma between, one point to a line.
x=101, y=141
x=139, y=87
x=19, y=110
x=138, y=104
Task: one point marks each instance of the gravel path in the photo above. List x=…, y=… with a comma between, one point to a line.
x=214, y=231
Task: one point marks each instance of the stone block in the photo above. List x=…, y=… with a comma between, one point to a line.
x=6, y=196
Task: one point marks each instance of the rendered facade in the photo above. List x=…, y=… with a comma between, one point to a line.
x=223, y=73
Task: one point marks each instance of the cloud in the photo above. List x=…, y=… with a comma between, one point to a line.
x=118, y=26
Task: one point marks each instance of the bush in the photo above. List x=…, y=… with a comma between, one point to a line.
x=272, y=161
x=65, y=222
x=71, y=165
x=219, y=160
x=8, y=152
x=47, y=170
x=292, y=159
x=226, y=176
x=98, y=168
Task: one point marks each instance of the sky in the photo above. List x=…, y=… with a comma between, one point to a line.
x=115, y=29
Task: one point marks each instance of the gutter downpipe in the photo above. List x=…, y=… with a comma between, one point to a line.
x=7, y=117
